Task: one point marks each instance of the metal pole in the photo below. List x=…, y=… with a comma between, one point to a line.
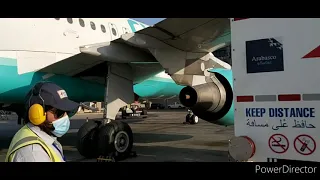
x=106, y=85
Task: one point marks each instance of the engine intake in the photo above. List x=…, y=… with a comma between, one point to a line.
x=210, y=101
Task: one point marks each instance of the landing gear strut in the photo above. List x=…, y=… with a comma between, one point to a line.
x=191, y=118
x=106, y=92
x=107, y=140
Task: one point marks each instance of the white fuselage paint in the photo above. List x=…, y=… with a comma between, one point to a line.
x=39, y=42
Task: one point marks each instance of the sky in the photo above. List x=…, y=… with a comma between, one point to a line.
x=149, y=21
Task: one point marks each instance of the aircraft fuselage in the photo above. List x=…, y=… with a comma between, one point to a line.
x=31, y=49
x=14, y=87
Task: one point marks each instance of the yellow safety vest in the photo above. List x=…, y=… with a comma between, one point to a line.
x=25, y=136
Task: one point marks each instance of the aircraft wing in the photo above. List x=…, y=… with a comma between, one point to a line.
x=185, y=34
x=195, y=35
x=184, y=39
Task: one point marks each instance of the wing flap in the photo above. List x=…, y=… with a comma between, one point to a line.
x=72, y=65
x=179, y=26
x=189, y=34
x=94, y=54
x=118, y=52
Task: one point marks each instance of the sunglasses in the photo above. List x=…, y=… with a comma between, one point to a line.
x=58, y=113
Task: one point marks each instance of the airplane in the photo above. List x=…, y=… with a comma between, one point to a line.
x=101, y=59
x=159, y=86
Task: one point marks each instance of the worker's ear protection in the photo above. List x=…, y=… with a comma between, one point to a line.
x=36, y=112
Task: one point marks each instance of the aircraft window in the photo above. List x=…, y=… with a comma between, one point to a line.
x=114, y=32
x=57, y=19
x=93, y=26
x=103, y=29
x=70, y=20
x=81, y=22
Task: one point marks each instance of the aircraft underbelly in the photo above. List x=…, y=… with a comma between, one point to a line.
x=14, y=86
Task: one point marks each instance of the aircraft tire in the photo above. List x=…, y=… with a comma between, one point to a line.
x=194, y=119
x=123, y=114
x=144, y=112
x=87, y=139
x=188, y=118
x=115, y=137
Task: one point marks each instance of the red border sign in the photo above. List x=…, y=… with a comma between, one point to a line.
x=279, y=140
x=303, y=145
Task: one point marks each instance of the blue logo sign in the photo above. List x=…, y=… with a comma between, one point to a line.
x=264, y=55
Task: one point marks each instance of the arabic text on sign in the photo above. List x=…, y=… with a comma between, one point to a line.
x=282, y=124
x=255, y=124
x=296, y=124
x=302, y=124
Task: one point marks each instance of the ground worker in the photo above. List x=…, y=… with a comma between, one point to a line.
x=47, y=117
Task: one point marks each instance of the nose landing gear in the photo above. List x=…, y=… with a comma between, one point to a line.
x=191, y=118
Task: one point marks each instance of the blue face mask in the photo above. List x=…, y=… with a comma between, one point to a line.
x=61, y=126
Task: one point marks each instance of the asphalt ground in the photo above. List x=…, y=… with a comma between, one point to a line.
x=161, y=137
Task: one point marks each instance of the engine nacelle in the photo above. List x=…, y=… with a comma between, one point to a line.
x=212, y=101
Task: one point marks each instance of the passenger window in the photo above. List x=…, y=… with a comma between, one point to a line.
x=57, y=19
x=103, y=29
x=70, y=21
x=114, y=32
x=93, y=26
x=81, y=22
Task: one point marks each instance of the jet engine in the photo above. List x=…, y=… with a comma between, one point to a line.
x=212, y=101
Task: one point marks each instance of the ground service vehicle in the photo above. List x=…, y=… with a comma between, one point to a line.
x=157, y=106
x=175, y=105
x=134, y=110
x=276, y=89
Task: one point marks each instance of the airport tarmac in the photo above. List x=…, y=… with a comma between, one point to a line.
x=162, y=137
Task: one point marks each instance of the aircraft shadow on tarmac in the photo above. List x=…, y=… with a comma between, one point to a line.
x=69, y=139
x=174, y=154
x=77, y=123
x=166, y=154
x=146, y=152
x=156, y=153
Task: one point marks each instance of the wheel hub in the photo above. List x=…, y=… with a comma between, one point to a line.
x=121, y=142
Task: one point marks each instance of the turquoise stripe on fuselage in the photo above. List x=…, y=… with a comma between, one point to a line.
x=156, y=86
x=133, y=22
x=14, y=87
